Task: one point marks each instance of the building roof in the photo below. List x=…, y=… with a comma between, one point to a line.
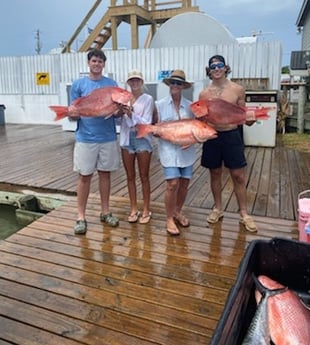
x=303, y=13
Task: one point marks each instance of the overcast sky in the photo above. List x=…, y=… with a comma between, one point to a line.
x=56, y=21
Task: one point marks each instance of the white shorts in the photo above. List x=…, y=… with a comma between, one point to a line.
x=90, y=157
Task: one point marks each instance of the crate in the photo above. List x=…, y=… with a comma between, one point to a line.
x=286, y=261
x=303, y=215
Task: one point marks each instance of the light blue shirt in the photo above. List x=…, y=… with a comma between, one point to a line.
x=93, y=129
x=172, y=155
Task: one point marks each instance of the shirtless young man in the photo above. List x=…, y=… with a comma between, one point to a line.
x=228, y=147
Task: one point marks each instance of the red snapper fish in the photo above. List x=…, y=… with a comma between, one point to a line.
x=220, y=112
x=184, y=132
x=289, y=319
x=104, y=101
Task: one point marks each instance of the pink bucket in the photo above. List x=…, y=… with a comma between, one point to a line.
x=304, y=215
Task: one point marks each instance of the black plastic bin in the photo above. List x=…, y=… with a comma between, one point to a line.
x=285, y=261
x=2, y=117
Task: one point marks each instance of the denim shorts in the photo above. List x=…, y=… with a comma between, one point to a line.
x=137, y=145
x=175, y=172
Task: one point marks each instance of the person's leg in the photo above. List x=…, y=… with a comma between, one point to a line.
x=239, y=182
x=238, y=178
x=170, y=202
x=144, y=160
x=212, y=159
x=181, y=196
x=108, y=160
x=129, y=165
x=83, y=188
x=216, y=189
x=104, y=190
x=84, y=162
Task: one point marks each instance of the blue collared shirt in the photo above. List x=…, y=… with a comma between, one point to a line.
x=172, y=155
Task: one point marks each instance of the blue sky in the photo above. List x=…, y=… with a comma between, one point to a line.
x=56, y=21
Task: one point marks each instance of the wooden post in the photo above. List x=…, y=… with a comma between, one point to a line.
x=114, y=33
x=134, y=32
x=301, y=109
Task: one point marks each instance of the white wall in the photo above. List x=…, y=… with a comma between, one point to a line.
x=27, y=102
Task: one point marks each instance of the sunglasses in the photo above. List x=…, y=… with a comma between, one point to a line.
x=217, y=65
x=175, y=82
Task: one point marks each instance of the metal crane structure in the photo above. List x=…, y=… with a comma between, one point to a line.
x=134, y=12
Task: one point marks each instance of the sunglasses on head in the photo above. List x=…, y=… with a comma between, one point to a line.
x=217, y=65
x=175, y=82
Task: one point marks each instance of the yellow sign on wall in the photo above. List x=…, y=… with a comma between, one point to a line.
x=43, y=78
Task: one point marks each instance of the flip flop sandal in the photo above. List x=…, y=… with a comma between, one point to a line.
x=145, y=219
x=182, y=220
x=133, y=218
x=173, y=230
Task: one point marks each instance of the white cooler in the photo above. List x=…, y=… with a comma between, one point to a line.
x=262, y=132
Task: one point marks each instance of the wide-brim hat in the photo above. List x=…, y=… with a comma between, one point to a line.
x=178, y=75
x=135, y=74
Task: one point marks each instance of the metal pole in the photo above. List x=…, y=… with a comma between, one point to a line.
x=301, y=107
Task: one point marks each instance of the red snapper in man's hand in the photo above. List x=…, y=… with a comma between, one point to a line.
x=220, y=112
x=104, y=101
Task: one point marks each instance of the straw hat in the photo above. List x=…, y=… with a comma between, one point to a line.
x=135, y=74
x=178, y=75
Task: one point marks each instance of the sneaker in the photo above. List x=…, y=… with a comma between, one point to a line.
x=80, y=227
x=215, y=216
x=109, y=219
x=248, y=223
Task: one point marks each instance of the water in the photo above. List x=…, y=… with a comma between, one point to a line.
x=8, y=221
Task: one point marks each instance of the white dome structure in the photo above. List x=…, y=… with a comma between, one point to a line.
x=189, y=29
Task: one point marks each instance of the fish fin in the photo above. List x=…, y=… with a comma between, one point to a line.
x=185, y=147
x=60, y=110
x=143, y=130
x=197, y=138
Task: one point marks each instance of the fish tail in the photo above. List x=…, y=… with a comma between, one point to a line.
x=60, y=110
x=262, y=113
x=143, y=130
x=255, y=113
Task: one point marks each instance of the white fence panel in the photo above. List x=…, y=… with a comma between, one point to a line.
x=27, y=102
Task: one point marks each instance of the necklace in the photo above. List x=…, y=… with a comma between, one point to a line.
x=218, y=90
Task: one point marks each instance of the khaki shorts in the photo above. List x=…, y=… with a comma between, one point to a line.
x=90, y=157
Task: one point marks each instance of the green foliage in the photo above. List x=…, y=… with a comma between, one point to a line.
x=285, y=70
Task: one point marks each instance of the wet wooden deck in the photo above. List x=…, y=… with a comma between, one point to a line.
x=132, y=284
